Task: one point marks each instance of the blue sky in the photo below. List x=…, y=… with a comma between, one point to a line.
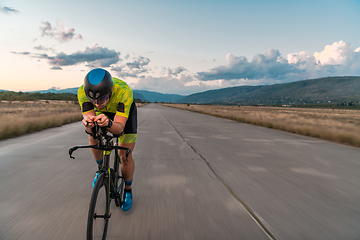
x=178, y=47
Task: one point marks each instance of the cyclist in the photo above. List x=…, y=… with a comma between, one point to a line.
x=109, y=102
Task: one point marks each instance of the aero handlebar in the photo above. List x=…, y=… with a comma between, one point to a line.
x=104, y=141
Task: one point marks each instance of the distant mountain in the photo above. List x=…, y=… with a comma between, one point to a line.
x=140, y=94
x=137, y=95
x=322, y=90
x=158, y=97
x=53, y=90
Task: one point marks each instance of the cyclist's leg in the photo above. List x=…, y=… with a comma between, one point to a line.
x=98, y=154
x=128, y=140
x=127, y=167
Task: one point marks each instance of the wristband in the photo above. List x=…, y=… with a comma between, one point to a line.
x=110, y=123
x=87, y=132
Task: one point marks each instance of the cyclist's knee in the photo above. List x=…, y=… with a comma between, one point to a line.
x=123, y=158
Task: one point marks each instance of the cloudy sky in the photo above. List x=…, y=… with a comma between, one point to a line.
x=178, y=47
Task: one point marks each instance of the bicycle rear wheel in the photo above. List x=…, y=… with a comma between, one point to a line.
x=99, y=210
x=120, y=192
x=118, y=181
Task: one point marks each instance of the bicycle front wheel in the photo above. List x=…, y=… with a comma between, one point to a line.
x=99, y=210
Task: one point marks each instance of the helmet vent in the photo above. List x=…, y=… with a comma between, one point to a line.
x=91, y=94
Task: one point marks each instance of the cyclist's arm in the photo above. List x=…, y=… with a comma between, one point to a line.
x=87, y=110
x=124, y=99
x=88, y=120
x=118, y=124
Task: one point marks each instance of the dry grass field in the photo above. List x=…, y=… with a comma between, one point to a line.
x=341, y=126
x=18, y=118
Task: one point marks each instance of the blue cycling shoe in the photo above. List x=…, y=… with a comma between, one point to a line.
x=99, y=162
x=95, y=179
x=127, y=203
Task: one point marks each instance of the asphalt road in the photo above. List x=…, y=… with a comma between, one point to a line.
x=196, y=177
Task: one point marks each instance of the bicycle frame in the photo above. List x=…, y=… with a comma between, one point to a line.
x=106, y=144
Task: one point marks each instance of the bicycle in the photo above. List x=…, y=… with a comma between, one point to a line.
x=110, y=183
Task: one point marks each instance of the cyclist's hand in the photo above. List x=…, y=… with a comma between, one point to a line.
x=88, y=122
x=102, y=120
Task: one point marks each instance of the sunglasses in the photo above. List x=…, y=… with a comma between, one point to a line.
x=100, y=100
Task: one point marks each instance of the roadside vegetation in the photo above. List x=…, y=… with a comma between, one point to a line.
x=18, y=118
x=337, y=125
x=35, y=96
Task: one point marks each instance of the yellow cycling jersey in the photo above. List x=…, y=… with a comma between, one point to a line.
x=119, y=103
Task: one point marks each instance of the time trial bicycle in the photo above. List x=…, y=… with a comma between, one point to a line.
x=109, y=185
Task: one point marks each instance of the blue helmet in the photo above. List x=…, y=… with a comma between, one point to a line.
x=97, y=83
